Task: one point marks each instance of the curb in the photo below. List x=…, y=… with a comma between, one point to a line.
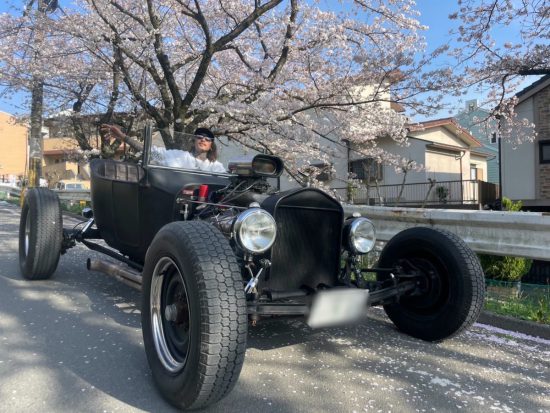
x=513, y=324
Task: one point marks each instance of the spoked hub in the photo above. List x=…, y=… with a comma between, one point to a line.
x=170, y=315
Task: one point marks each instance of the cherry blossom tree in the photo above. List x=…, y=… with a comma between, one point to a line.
x=35, y=54
x=495, y=68
x=282, y=76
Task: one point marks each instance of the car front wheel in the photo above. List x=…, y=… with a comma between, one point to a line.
x=193, y=314
x=450, y=283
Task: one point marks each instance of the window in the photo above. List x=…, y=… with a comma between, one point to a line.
x=366, y=169
x=494, y=137
x=544, y=151
x=473, y=172
x=476, y=173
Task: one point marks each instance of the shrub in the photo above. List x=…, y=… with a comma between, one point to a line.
x=505, y=268
x=442, y=193
x=75, y=208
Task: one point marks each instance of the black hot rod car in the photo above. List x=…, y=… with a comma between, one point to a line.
x=215, y=252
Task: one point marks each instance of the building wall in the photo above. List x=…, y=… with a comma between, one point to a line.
x=519, y=162
x=51, y=144
x=439, y=135
x=443, y=166
x=53, y=172
x=414, y=150
x=13, y=146
x=541, y=107
x=482, y=164
x=472, y=119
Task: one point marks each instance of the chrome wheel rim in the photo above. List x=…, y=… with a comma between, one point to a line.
x=170, y=317
x=27, y=232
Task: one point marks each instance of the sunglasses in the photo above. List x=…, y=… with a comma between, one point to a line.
x=209, y=139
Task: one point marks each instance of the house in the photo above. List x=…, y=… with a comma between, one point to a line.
x=13, y=144
x=526, y=167
x=60, y=160
x=476, y=121
x=451, y=169
x=61, y=155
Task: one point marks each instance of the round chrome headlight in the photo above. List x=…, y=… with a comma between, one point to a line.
x=361, y=236
x=255, y=230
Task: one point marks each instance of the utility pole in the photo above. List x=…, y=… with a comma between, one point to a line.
x=36, y=143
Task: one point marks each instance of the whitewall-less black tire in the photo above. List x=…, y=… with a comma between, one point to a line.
x=194, y=318
x=452, y=289
x=40, y=234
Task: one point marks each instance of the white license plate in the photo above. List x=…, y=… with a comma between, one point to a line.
x=339, y=306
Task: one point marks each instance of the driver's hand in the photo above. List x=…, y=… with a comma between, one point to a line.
x=112, y=131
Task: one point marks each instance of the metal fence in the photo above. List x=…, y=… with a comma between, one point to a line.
x=529, y=301
x=425, y=193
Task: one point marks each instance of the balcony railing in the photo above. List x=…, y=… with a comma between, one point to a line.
x=467, y=192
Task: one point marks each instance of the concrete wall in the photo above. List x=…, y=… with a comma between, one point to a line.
x=13, y=146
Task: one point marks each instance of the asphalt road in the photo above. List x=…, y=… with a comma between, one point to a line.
x=73, y=344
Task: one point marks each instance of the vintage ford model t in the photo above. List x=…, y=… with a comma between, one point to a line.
x=215, y=252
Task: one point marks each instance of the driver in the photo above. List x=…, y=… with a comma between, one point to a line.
x=202, y=154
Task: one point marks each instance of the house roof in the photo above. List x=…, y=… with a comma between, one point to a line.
x=482, y=154
x=533, y=88
x=451, y=125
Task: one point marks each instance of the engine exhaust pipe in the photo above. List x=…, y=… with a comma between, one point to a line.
x=124, y=274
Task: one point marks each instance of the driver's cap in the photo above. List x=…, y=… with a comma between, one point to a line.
x=204, y=132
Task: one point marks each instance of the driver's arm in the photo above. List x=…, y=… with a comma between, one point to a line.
x=115, y=132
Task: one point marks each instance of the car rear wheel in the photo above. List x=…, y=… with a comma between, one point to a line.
x=451, y=287
x=194, y=318
x=40, y=234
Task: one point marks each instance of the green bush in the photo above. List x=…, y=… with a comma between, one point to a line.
x=75, y=208
x=505, y=268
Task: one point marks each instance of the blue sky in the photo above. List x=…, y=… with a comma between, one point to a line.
x=433, y=14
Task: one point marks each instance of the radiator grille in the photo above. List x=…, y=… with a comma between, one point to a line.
x=307, y=249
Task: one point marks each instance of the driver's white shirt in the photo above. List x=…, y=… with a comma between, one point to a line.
x=176, y=158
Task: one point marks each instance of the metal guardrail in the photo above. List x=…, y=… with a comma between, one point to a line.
x=517, y=234
x=10, y=190
x=73, y=196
